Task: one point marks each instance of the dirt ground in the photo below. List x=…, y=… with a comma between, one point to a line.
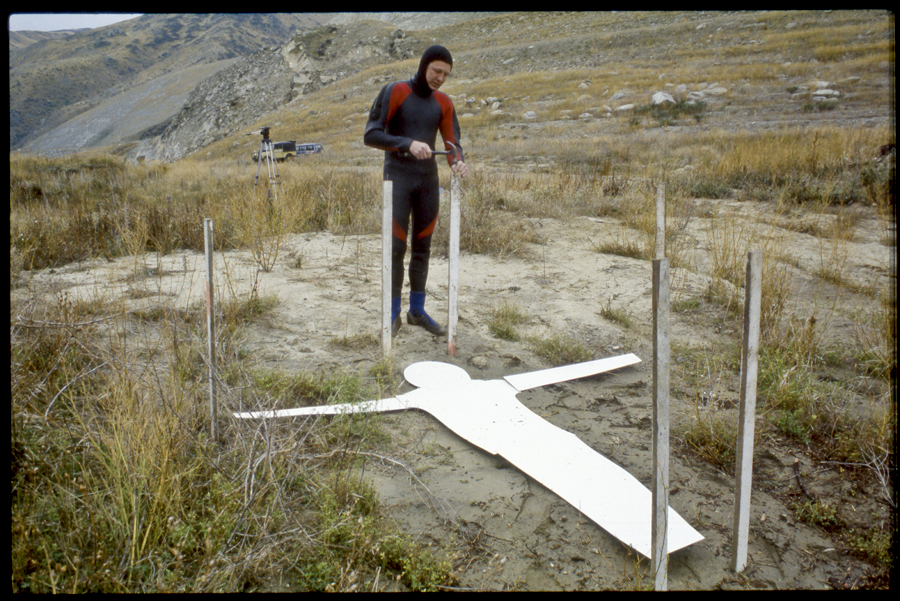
x=504, y=530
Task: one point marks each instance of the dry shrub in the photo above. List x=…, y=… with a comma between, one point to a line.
x=489, y=222
x=116, y=486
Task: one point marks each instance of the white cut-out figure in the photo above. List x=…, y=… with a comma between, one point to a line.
x=488, y=414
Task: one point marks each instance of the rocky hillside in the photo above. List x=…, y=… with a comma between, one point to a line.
x=57, y=78
x=127, y=82
x=214, y=75
x=265, y=80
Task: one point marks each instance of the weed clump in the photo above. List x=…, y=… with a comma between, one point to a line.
x=505, y=318
x=560, y=349
x=116, y=486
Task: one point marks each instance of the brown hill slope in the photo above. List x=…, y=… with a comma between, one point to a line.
x=53, y=80
x=19, y=40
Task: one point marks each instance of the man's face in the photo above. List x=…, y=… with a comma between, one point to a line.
x=436, y=74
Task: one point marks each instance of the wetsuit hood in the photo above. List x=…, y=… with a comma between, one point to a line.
x=434, y=53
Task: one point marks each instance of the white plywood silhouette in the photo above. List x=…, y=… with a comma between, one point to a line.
x=488, y=414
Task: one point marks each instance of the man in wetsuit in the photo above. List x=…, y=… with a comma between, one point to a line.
x=404, y=121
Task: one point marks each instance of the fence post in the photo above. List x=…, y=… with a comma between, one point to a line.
x=749, y=364
x=661, y=222
x=210, y=326
x=387, y=214
x=660, y=479
x=453, y=268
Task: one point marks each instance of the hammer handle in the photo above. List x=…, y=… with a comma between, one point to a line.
x=409, y=154
x=445, y=152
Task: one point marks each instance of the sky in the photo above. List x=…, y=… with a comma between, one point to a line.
x=57, y=21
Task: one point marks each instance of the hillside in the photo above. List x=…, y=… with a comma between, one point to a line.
x=557, y=76
x=759, y=67
x=57, y=78
x=75, y=90
x=22, y=39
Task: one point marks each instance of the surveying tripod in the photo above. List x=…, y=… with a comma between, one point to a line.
x=267, y=154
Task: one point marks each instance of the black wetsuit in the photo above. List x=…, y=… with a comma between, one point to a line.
x=404, y=112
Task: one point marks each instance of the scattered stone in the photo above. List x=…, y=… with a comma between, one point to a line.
x=661, y=98
x=479, y=361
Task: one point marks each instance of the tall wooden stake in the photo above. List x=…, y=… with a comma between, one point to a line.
x=210, y=326
x=659, y=553
x=661, y=222
x=387, y=215
x=744, y=463
x=453, y=284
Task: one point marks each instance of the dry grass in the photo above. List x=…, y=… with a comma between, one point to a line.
x=116, y=486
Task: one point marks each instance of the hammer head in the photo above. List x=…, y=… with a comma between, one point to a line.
x=452, y=150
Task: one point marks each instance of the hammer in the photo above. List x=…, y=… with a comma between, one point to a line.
x=452, y=152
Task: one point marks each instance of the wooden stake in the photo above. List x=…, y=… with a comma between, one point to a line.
x=210, y=326
x=387, y=215
x=453, y=284
x=659, y=556
x=661, y=222
x=744, y=463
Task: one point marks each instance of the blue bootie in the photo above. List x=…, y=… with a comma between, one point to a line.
x=395, y=316
x=418, y=317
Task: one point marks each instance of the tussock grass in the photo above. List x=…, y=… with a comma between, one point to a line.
x=822, y=164
x=72, y=210
x=116, y=486
x=615, y=314
x=712, y=437
x=505, y=318
x=559, y=349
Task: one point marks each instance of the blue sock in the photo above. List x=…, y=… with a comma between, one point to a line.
x=416, y=303
x=395, y=307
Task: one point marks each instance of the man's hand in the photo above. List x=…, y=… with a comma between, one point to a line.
x=420, y=150
x=460, y=168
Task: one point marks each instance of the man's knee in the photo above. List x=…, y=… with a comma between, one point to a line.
x=398, y=248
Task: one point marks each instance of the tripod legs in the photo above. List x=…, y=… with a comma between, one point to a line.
x=266, y=152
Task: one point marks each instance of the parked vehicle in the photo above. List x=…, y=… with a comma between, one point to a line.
x=282, y=151
x=312, y=148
